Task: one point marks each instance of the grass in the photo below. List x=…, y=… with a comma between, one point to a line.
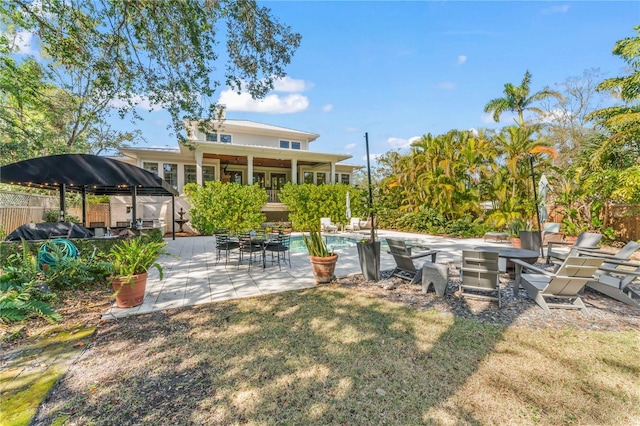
x=332, y=356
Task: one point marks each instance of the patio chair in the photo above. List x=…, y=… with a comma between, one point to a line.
x=225, y=244
x=585, y=240
x=354, y=225
x=280, y=243
x=252, y=246
x=551, y=233
x=480, y=273
x=365, y=224
x=612, y=259
x=405, y=268
x=327, y=226
x=614, y=280
x=566, y=283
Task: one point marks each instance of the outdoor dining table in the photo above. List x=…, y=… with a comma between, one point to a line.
x=508, y=253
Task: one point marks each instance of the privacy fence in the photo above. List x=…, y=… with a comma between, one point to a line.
x=18, y=208
x=623, y=218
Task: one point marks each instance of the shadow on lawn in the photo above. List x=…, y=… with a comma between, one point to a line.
x=320, y=356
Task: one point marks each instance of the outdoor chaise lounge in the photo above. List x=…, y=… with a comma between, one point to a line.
x=354, y=225
x=326, y=225
x=566, y=283
x=480, y=273
x=405, y=268
x=585, y=240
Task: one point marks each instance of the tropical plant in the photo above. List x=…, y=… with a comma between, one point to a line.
x=307, y=203
x=517, y=225
x=316, y=245
x=134, y=257
x=231, y=206
x=518, y=99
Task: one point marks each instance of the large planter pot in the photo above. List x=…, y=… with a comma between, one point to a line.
x=369, y=258
x=516, y=242
x=130, y=292
x=323, y=268
x=530, y=240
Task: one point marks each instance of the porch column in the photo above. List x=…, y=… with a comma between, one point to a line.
x=249, y=169
x=294, y=171
x=332, y=172
x=198, y=157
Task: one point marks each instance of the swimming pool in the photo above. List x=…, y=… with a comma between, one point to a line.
x=333, y=242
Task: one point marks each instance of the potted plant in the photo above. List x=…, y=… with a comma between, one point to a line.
x=131, y=260
x=369, y=258
x=513, y=229
x=323, y=261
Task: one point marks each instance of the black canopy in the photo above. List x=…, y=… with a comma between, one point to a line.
x=91, y=173
x=87, y=174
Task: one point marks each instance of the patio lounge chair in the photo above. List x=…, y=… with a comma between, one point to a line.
x=354, y=225
x=551, y=233
x=405, y=268
x=327, y=226
x=566, y=283
x=480, y=272
x=611, y=259
x=614, y=280
x=585, y=240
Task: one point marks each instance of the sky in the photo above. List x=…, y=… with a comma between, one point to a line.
x=400, y=70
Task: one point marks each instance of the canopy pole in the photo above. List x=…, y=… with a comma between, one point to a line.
x=62, y=217
x=84, y=206
x=134, y=208
x=535, y=199
x=173, y=217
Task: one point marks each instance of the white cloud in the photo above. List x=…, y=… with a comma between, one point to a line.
x=25, y=43
x=462, y=59
x=272, y=104
x=556, y=9
x=290, y=85
x=327, y=107
x=351, y=129
x=446, y=85
x=402, y=143
x=372, y=157
x=474, y=131
x=554, y=116
x=350, y=146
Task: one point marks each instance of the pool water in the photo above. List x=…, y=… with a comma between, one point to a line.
x=333, y=242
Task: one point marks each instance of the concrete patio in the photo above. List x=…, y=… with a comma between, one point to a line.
x=192, y=277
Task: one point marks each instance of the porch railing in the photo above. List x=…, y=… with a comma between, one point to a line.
x=273, y=195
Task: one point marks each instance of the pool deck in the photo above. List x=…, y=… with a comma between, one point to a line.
x=192, y=277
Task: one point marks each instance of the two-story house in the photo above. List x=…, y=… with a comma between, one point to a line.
x=245, y=152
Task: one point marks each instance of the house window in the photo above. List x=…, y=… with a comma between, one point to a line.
x=284, y=144
x=150, y=167
x=308, y=177
x=208, y=173
x=295, y=145
x=171, y=174
x=321, y=178
x=212, y=137
x=344, y=178
x=258, y=177
x=225, y=138
x=190, y=174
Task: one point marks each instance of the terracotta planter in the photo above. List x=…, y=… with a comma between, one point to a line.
x=516, y=242
x=323, y=268
x=571, y=239
x=130, y=293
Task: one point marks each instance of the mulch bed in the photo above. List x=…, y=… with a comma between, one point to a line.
x=605, y=314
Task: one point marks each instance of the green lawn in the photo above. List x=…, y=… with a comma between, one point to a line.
x=332, y=356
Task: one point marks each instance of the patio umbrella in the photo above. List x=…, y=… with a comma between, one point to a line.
x=543, y=189
x=348, y=212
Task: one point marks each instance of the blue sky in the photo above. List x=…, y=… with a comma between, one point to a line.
x=399, y=70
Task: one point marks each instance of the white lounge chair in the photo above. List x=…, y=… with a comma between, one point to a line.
x=327, y=226
x=354, y=225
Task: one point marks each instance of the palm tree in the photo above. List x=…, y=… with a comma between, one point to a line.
x=517, y=99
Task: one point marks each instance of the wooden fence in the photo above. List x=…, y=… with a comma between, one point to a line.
x=16, y=209
x=623, y=218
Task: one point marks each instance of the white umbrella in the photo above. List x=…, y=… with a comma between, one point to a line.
x=543, y=189
x=348, y=212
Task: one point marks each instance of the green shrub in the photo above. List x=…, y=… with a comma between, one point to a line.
x=230, y=206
